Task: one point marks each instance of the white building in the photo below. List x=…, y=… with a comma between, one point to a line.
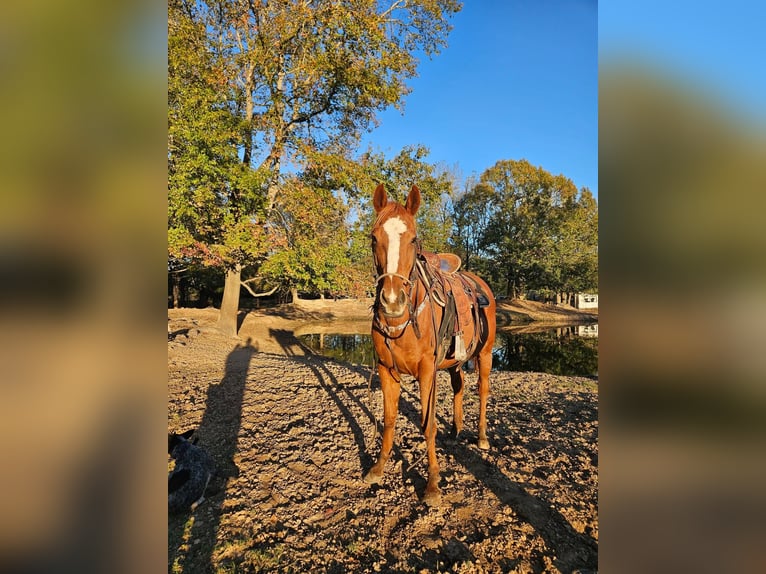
x=587, y=330
x=586, y=301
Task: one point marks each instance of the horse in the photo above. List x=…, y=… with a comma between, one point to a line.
x=414, y=332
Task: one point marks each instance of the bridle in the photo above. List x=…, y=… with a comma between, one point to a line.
x=396, y=331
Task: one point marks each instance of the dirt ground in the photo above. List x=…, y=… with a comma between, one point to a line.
x=292, y=434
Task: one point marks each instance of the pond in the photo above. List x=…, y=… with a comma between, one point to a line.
x=570, y=350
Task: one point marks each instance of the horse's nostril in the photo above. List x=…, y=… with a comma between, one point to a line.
x=401, y=298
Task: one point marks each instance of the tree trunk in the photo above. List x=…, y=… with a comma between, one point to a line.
x=176, y=290
x=227, y=319
x=249, y=112
x=294, y=294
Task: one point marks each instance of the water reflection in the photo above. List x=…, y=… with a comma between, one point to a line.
x=356, y=349
x=569, y=350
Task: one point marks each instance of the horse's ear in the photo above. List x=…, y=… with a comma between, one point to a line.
x=379, y=198
x=413, y=200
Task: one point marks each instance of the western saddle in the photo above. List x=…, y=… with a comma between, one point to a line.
x=460, y=297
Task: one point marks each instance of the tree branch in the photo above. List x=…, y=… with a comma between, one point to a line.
x=393, y=7
x=253, y=293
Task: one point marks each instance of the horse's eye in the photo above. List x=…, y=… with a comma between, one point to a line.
x=414, y=241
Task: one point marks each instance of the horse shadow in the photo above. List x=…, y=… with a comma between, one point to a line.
x=337, y=392
x=574, y=550
x=191, y=539
x=342, y=395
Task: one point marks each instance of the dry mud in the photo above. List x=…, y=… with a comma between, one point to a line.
x=292, y=434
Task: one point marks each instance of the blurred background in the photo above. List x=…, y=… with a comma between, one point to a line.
x=83, y=278
x=682, y=178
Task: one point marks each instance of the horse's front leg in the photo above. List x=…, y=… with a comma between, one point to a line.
x=391, y=389
x=427, y=382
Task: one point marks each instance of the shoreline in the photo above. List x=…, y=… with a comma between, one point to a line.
x=275, y=329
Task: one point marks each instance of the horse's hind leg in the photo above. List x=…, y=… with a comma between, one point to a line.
x=456, y=377
x=391, y=389
x=485, y=366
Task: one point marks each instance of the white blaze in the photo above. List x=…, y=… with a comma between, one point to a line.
x=394, y=227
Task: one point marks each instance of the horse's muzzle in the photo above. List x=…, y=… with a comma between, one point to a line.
x=393, y=307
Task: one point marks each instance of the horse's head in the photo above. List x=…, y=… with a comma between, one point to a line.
x=394, y=248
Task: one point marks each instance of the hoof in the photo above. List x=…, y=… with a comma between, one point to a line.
x=454, y=433
x=432, y=498
x=373, y=478
x=483, y=444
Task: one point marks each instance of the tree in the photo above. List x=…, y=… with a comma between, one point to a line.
x=398, y=174
x=578, y=244
x=471, y=213
x=212, y=195
x=535, y=228
x=306, y=78
x=311, y=228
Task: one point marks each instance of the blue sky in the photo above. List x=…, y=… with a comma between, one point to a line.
x=718, y=48
x=518, y=80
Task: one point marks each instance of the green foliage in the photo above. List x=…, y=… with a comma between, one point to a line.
x=398, y=174
x=213, y=198
x=312, y=75
x=311, y=249
x=471, y=213
x=254, y=87
x=528, y=229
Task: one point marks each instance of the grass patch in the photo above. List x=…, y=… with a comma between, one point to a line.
x=237, y=555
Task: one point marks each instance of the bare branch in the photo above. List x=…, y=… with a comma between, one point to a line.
x=393, y=7
x=253, y=293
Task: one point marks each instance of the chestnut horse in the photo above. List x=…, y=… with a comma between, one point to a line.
x=404, y=333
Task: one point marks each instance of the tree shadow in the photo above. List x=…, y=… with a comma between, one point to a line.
x=241, y=316
x=573, y=549
x=291, y=345
x=178, y=332
x=453, y=551
x=191, y=539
